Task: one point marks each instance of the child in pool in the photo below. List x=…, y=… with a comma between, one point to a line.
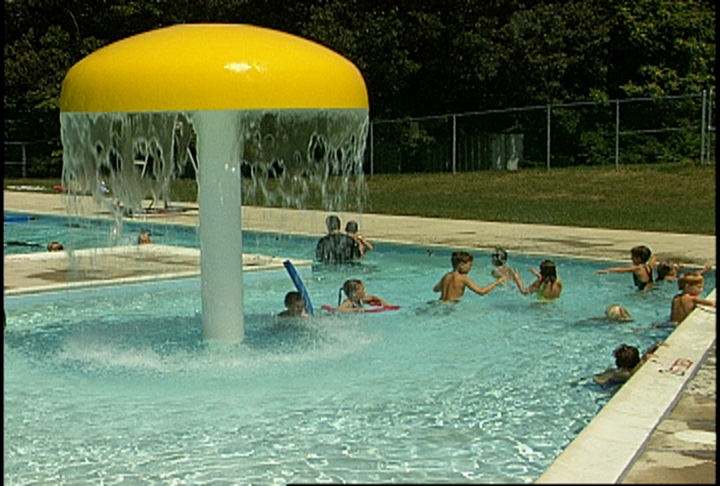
x=294, y=306
x=356, y=298
x=627, y=362
x=617, y=312
x=54, y=246
x=668, y=271
x=499, y=259
x=453, y=284
x=144, y=238
x=684, y=303
x=643, y=264
x=351, y=228
x=547, y=285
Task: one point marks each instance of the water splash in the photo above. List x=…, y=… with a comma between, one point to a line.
x=289, y=158
x=281, y=158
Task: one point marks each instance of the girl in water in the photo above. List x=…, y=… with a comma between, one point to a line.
x=356, y=298
x=547, y=285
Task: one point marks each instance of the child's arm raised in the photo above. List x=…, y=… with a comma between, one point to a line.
x=631, y=268
x=482, y=290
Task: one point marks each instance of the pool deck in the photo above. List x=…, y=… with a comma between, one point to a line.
x=658, y=428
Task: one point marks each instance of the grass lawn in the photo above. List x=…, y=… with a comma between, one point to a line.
x=674, y=198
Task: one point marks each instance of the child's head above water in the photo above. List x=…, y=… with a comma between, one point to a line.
x=666, y=270
x=295, y=305
x=499, y=257
x=294, y=299
x=351, y=227
x=640, y=254
x=617, y=313
x=689, y=280
x=548, y=270
x=460, y=257
x=626, y=357
x=352, y=287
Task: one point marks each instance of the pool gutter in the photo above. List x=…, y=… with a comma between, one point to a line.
x=611, y=443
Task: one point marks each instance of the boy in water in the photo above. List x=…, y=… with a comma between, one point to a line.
x=453, y=284
x=294, y=306
x=684, y=303
x=627, y=362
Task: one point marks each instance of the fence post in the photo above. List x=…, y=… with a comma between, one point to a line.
x=24, y=161
x=703, y=127
x=709, y=126
x=372, y=151
x=454, y=143
x=617, y=134
x=549, y=107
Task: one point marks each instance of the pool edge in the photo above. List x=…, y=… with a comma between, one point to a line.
x=611, y=444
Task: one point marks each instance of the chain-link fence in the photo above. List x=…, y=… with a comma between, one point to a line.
x=616, y=132
x=31, y=160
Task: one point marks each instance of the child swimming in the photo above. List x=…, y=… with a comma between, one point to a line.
x=453, y=284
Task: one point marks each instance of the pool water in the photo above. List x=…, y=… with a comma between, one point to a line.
x=27, y=233
x=116, y=385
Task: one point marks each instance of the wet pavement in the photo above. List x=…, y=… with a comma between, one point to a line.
x=659, y=427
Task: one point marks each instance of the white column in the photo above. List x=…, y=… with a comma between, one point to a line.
x=220, y=202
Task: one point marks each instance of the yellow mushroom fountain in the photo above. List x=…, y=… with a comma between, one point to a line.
x=235, y=101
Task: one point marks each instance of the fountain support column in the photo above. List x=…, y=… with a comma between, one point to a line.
x=130, y=96
x=220, y=201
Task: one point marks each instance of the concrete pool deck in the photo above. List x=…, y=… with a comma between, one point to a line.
x=658, y=428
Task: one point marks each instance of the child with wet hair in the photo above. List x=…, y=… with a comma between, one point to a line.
x=356, y=298
x=351, y=228
x=294, y=306
x=626, y=357
x=668, y=271
x=691, y=285
x=627, y=362
x=547, y=285
x=144, y=238
x=453, y=284
x=642, y=268
x=499, y=259
x=617, y=312
x=55, y=246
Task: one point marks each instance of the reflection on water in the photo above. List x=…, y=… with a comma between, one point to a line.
x=490, y=389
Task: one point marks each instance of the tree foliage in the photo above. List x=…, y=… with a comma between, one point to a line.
x=418, y=58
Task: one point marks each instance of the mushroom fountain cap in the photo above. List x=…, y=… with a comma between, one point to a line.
x=212, y=67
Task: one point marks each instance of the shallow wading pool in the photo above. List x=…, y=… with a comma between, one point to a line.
x=116, y=384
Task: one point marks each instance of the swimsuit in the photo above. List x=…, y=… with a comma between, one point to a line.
x=541, y=291
x=639, y=283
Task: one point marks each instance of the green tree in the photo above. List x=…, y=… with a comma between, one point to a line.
x=663, y=47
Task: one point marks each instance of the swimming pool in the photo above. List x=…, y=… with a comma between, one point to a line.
x=488, y=390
